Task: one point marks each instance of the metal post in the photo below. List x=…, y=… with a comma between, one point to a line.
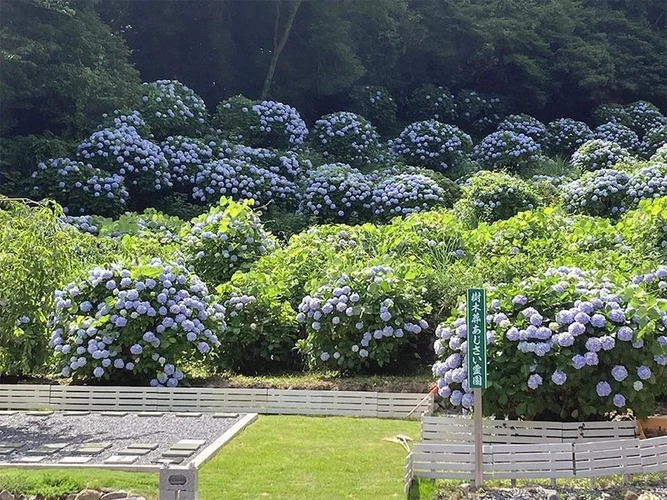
x=479, y=439
x=178, y=483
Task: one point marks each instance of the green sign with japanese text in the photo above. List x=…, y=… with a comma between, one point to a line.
x=476, y=322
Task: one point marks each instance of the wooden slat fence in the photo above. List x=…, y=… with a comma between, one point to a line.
x=264, y=401
x=460, y=430
x=538, y=461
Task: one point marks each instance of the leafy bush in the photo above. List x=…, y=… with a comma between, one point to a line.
x=505, y=149
x=268, y=124
x=597, y=153
x=335, y=192
x=80, y=188
x=477, y=112
x=619, y=134
x=565, y=135
x=429, y=102
x=526, y=125
x=493, y=196
x=644, y=116
x=261, y=328
x=123, y=151
x=600, y=193
x=185, y=157
x=433, y=145
x=241, y=181
x=566, y=341
x=225, y=239
x=615, y=113
x=143, y=320
x=654, y=139
x=346, y=138
x=375, y=103
x=404, y=194
x=38, y=253
x=171, y=108
x=645, y=228
x=360, y=320
x=660, y=156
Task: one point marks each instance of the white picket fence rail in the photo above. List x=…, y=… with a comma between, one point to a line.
x=201, y=399
x=461, y=430
x=533, y=450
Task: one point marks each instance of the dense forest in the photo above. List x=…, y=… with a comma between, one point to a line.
x=64, y=62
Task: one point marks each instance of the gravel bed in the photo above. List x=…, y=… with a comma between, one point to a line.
x=121, y=431
x=620, y=492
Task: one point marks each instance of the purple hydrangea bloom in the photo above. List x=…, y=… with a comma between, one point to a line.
x=558, y=377
x=619, y=372
x=608, y=343
x=644, y=372
x=616, y=316
x=603, y=389
x=534, y=381
x=619, y=400
x=591, y=358
x=593, y=344
x=624, y=333
x=578, y=361
x=519, y=300
x=576, y=329
x=598, y=321
x=565, y=339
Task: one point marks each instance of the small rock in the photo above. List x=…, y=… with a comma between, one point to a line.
x=39, y=496
x=114, y=495
x=648, y=496
x=88, y=495
x=605, y=496
x=6, y=495
x=630, y=495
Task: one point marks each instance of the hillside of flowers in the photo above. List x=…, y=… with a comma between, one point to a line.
x=178, y=239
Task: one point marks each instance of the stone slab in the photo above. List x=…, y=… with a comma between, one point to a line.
x=47, y=449
x=8, y=412
x=171, y=453
x=39, y=413
x=187, y=445
x=225, y=415
x=120, y=459
x=143, y=446
x=113, y=413
x=150, y=414
x=188, y=415
x=92, y=448
x=169, y=461
x=31, y=460
x=135, y=451
x=75, y=460
x=76, y=413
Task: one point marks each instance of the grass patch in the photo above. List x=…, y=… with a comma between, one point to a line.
x=305, y=458
x=55, y=483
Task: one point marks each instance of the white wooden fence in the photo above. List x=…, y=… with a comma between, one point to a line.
x=461, y=430
x=201, y=399
x=549, y=450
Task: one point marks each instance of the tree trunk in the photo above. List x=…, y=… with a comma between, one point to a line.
x=278, y=48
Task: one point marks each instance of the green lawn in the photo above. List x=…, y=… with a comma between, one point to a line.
x=276, y=458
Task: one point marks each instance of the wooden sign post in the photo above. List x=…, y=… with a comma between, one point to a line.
x=476, y=361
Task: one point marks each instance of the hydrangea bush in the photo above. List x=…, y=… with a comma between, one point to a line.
x=654, y=139
x=644, y=116
x=432, y=144
x=361, y=319
x=597, y=153
x=171, y=108
x=600, y=193
x=347, y=138
x=375, y=103
x=123, y=151
x=492, y=196
x=647, y=183
x=267, y=124
x=335, y=192
x=526, y=125
x=566, y=342
x=660, y=156
x=404, y=194
x=131, y=118
x=185, y=157
x=143, y=321
x=645, y=229
x=430, y=102
x=229, y=237
x=506, y=149
x=79, y=187
x=613, y=112
x=241, y=181
x=477, y=112
x=565, y=135
x=288, y=164
x=619, y=134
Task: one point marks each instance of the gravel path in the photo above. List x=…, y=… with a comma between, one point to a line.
x=164, y=431
x=621, y=492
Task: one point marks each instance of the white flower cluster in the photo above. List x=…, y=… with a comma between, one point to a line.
x=347, y=137
x=335, y=192
x=565, y=135
x=598, y=153
x=404, y=194
x=432, y=144
x=599, y=193
x=505, y=149
x=122, y=150
x=620, y=134
x=526, y=125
